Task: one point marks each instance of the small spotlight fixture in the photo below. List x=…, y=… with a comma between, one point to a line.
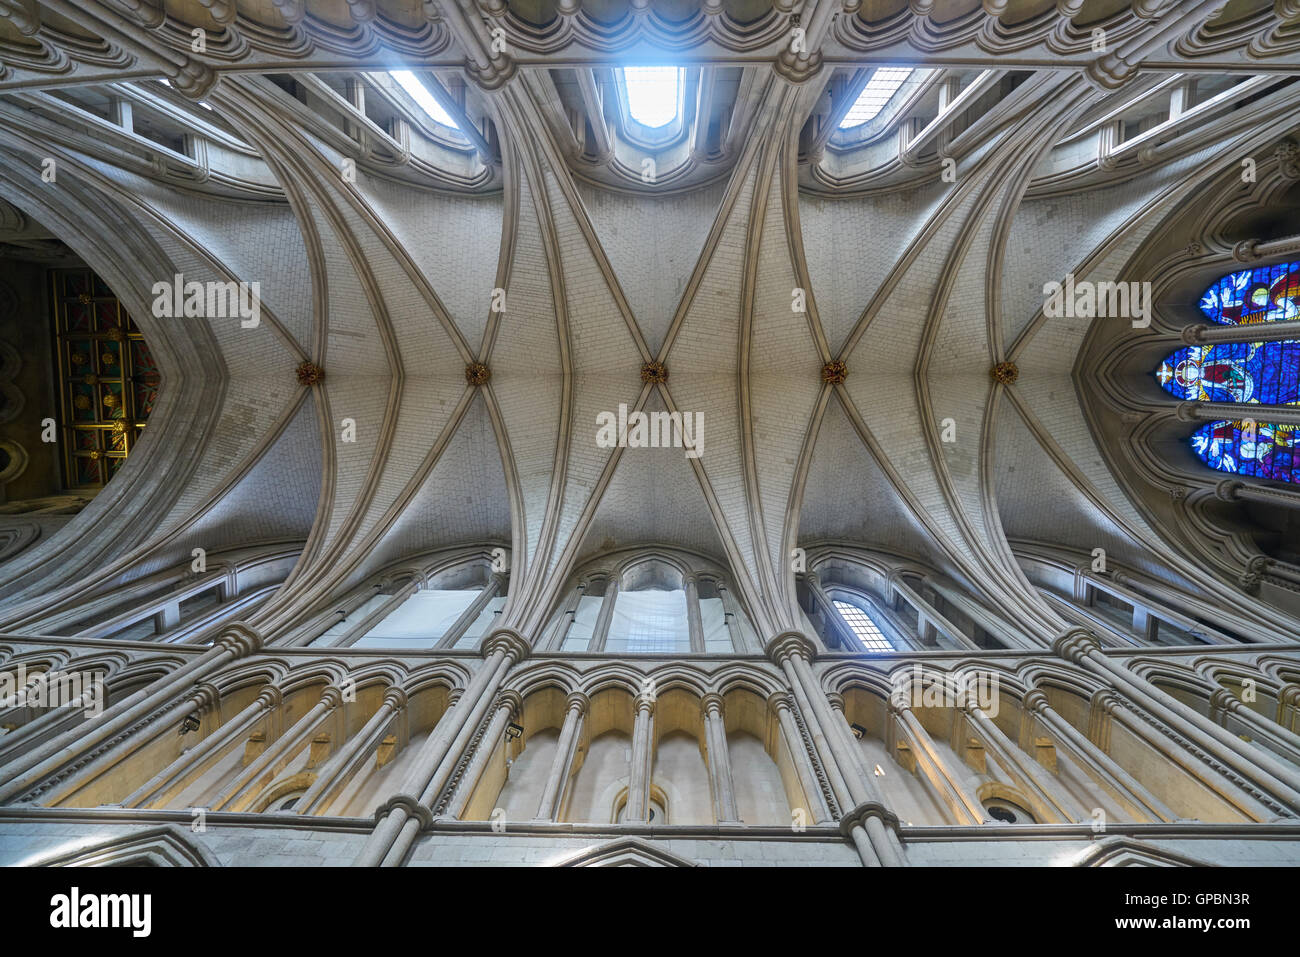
x=191, y=723
x=514, y=731
x=880, y=772
x=859, y=732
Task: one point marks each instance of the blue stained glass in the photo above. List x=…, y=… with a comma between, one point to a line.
x=1259, y=450
x=1267, y=372
x=1262, y=294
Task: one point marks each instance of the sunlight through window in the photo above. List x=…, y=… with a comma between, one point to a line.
x=423, y=98
x=884, y=83
x=653, y=93
x=863, y=627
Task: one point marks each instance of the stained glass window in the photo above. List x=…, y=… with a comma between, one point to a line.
x=108, y=380
x=1267, y=372
x=1262, y=294
x=1256, y=449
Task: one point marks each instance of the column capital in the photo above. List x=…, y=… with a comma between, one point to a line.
x=395, y=698
x=270, y=697
x=789, y=644
x=493, y=76
x=206, y=695
x=332, y=696
x=508, y=641
x=240, y=638
x=1107, y=700
x=1036, y=701
x=1226, y=490
x=836, y=699
x=408, y=803
x=511, y=699
x=577, y=701
x=711, y=704
x=1224, y=700
x=644, y=702
x=779, y=700
x=1074, y=644
x=795, y=68
x=1245, y=251
x=857, y=816
x=900, y=701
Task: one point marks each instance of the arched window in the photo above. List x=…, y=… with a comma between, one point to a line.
x=425, y=100
x=1256, y=449
x=650, y=622
x=654, y=94
x=880, y=89
x=1262, y=294
x=1259, y=372
x=1249, y=373
x=864, y=629
x=452, y=608
x=649, y=605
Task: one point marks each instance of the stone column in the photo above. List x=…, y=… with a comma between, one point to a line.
x=927, y=615
x=1030, y=776
x=738, y=642
x=470, y=614
x=964, y=805
x=509, y=704
x=1252, y=763
x=694, y=623
x=374, y=616
x=399, y=820
x=794, y=652
x=60, y=786
x=1126, y=789
x=158, y=789
x=780, y=702
x=844, y=730
x=715, y=736
x=873, y=828
x=1225, y=704
x=560, y=631
x=785, y=651
x=601, y=631
x=100, y=732
x=643, y=755
x=1235, y=490
x=248, y=783
x=1253, y=250
x=1179, y=749
x=353, y=753
x=55, y=720
x=548, y=809
x=1193, y=411
x=1288, y=706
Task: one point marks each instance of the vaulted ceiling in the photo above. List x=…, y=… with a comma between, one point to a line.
x=922, y=269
